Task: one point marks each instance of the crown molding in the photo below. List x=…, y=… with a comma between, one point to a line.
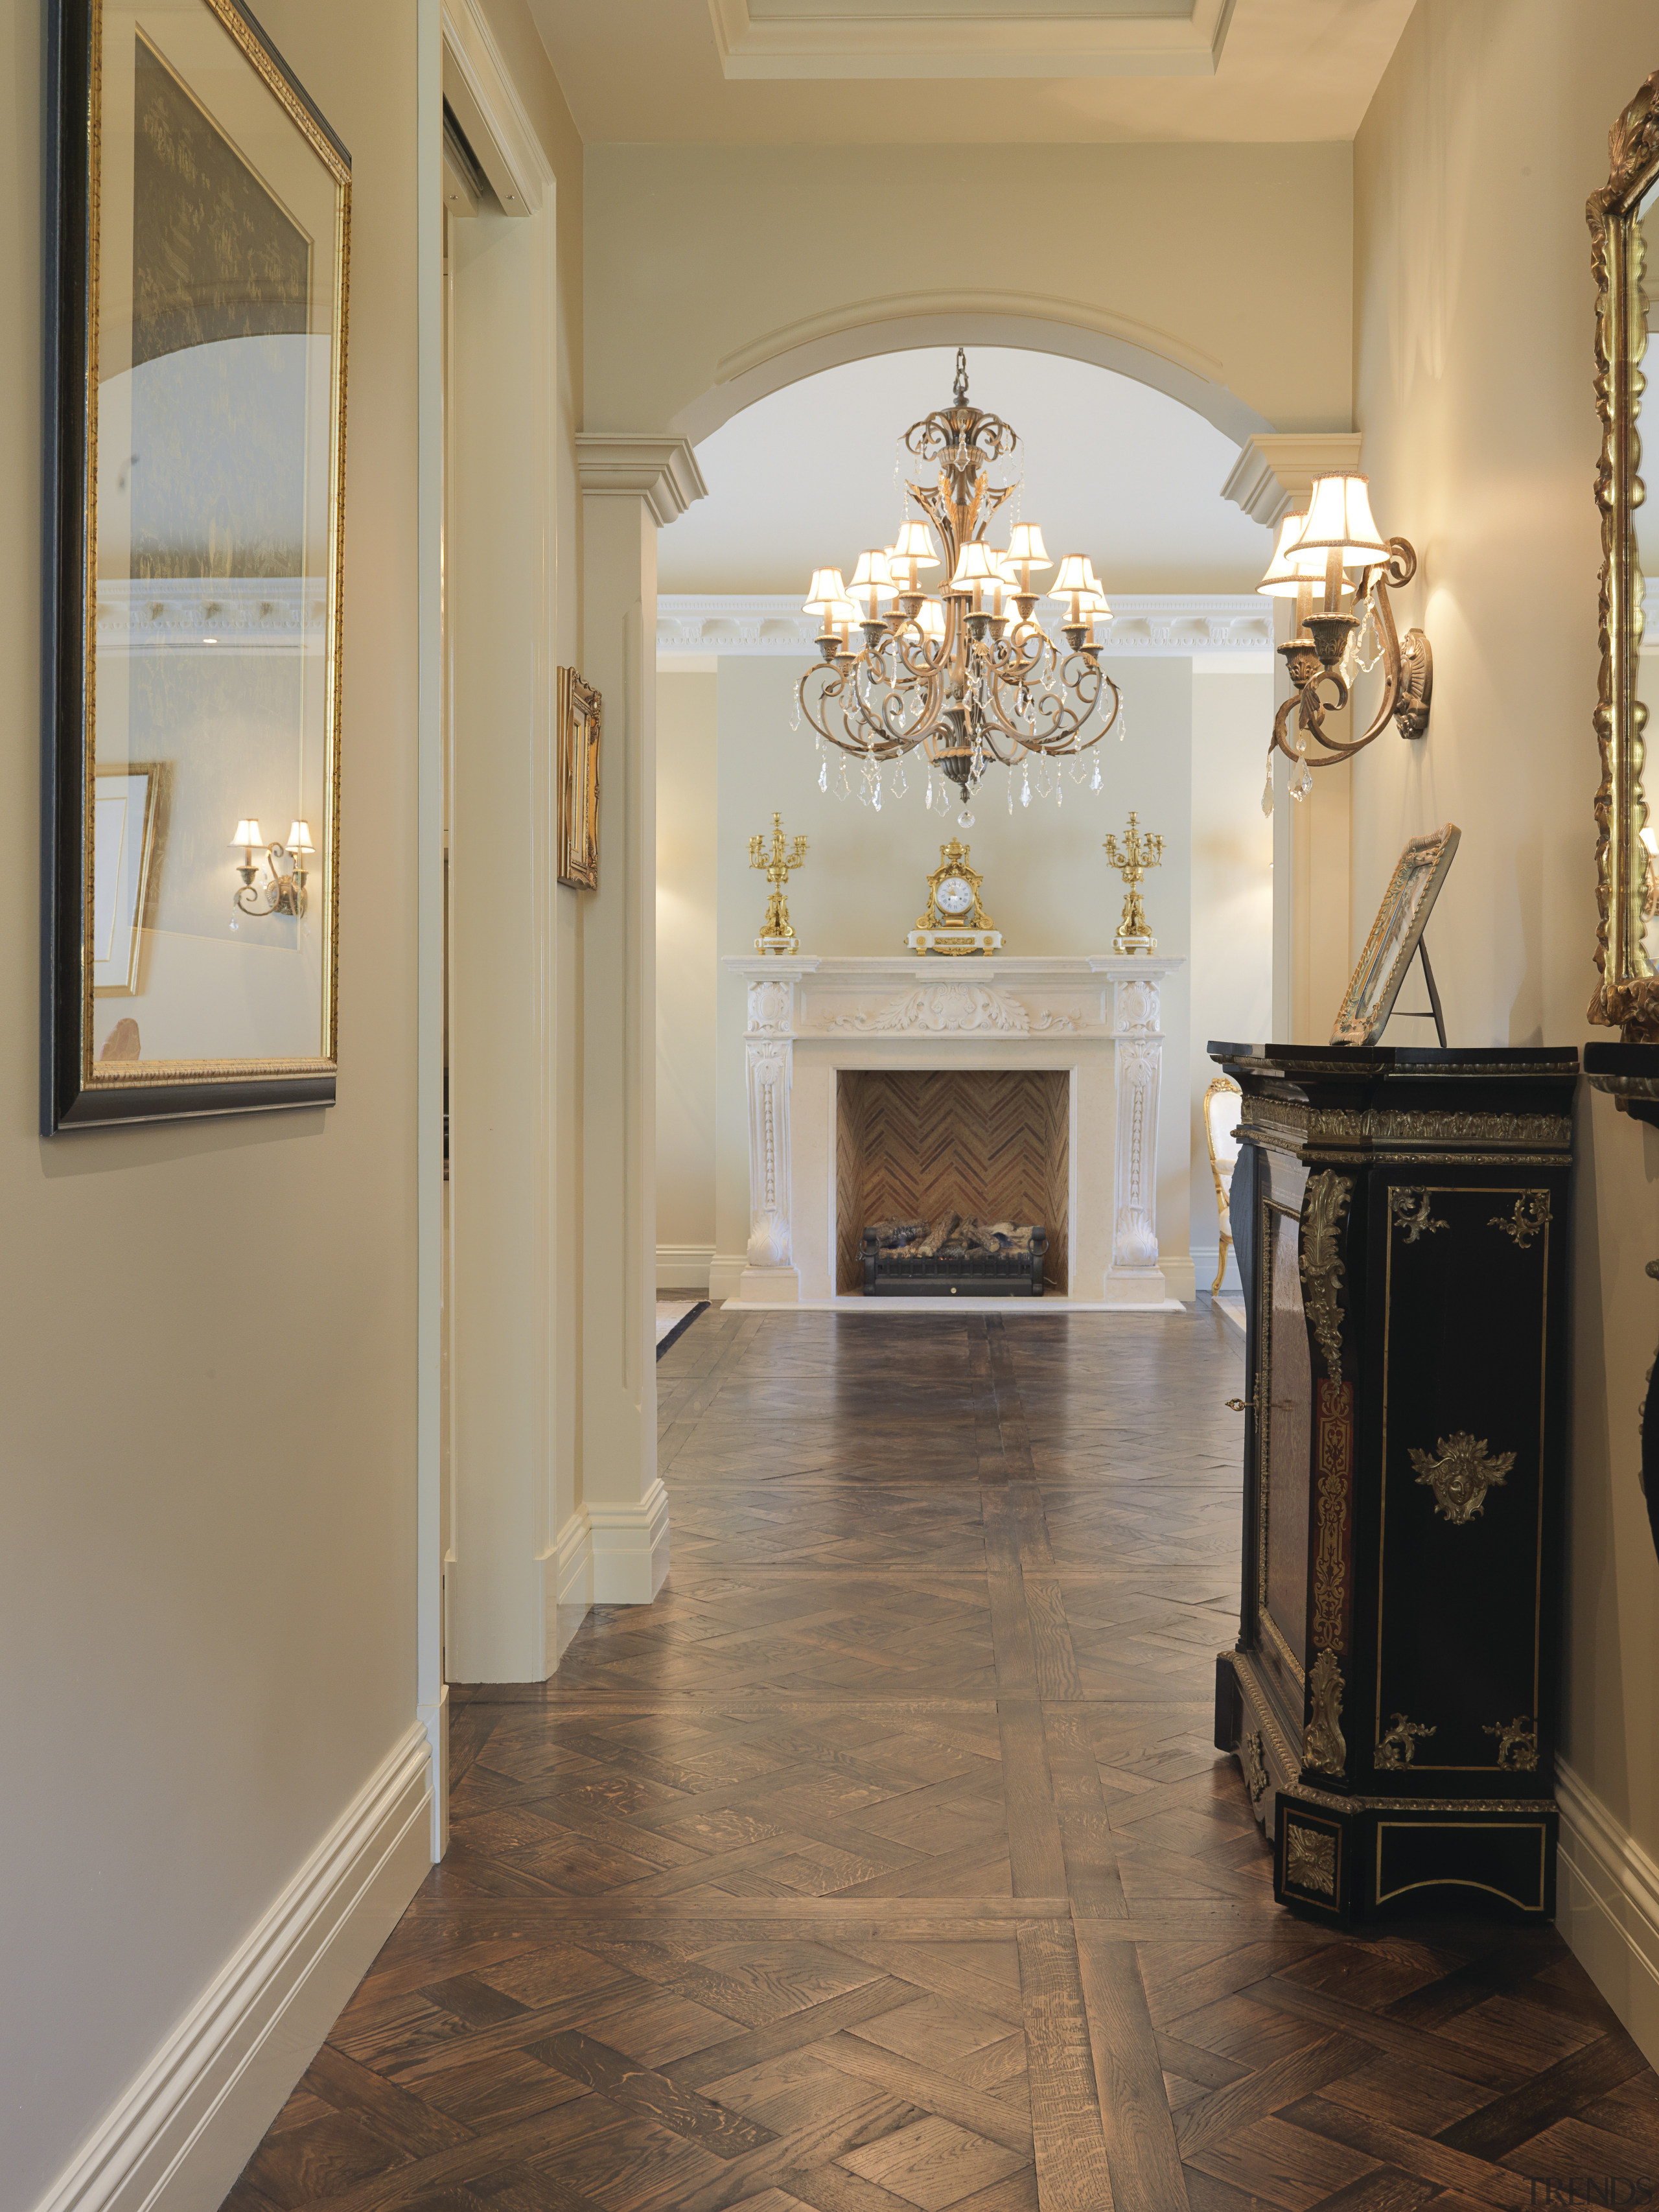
x=629, y=464
x=830, y=39
x=1198, y=624
x=1276, y=469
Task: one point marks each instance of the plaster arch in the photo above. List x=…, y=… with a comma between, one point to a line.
x=906, y=321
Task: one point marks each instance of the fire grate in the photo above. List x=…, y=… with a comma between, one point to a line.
x=956, y=1267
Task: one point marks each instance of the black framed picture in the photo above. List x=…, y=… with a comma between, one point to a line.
x=197, y=259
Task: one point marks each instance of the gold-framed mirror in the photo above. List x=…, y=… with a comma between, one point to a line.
x=1624, y=224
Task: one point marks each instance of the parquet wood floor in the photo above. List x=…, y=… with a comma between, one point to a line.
x=885, y=1864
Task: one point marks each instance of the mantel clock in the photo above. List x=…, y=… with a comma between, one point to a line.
x=954, y=920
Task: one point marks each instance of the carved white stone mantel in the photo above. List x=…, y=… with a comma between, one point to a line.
x=1095, y=1016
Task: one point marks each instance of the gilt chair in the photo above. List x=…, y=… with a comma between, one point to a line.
x=1220, y=1114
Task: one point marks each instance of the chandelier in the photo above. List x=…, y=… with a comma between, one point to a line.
x=968, y=678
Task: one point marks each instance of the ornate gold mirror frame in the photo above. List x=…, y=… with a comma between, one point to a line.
x=1627, y=996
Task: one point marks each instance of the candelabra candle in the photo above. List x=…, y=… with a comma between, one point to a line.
x=1139, y=853
x=777, y=933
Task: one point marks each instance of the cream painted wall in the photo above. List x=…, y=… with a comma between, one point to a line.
x=1232, y=896
x=1471, y=173
x=688, y=843
x=724, y=246
x=210, y=1335
x=1046, y=885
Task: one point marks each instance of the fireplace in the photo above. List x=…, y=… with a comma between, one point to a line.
x=912, y=1144
x=1011, y=1088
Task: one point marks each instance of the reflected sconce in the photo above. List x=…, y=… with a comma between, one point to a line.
x=284, y=890
x=1334, y=548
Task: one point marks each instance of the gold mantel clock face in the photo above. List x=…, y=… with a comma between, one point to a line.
x=953, y=899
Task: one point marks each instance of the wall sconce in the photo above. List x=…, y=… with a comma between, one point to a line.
x=284, y=890
x=1311, y=563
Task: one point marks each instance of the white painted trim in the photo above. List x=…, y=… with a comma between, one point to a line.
x=1180, y=1276
x=573, y=1553
x=1075, y=330
x=479, y=86
x=1275, y=469
x=634, y=464
x=726, y=1273
x=630, y=1548
x=431, y=1697
x=693, y=627
x=1608, y=1907
x=184, y=2130
x=1024, y=37
x=683, y=1267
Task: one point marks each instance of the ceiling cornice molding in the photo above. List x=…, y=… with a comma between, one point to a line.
x=1154, y=625
x=630, y=464
x=1276, y=470
x=822, y=40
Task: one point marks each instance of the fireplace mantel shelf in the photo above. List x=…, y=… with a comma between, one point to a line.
x=1094, y=1016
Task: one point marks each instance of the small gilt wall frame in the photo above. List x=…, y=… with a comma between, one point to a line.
x=581, y=714
x=1396, y=935
x=1627, y=995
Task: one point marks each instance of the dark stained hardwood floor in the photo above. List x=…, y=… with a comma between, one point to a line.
x=885, y=1864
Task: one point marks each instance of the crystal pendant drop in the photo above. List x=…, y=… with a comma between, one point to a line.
x=930, y=791
x=823, y=776
x=875, y=795
x=1094, y=781
x=1267, y=793
x=1025, y=790
x=964, y=820
x=1302, y=781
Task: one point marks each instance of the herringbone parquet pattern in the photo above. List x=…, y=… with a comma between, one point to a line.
x=914, y=1142
x=885, y=1865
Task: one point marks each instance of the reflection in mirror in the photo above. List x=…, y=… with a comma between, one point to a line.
x=204, y=209
x=213, y=535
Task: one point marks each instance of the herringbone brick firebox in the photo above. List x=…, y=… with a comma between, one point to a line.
x=911, y=1143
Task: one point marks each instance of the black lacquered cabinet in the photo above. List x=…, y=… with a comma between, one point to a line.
x=1402, y=1221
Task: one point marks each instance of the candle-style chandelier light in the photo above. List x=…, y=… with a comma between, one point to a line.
x=970, y=677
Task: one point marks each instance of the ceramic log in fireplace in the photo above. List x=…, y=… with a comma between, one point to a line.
x=953, y=1271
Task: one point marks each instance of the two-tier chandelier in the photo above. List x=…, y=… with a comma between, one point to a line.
x=969, y=679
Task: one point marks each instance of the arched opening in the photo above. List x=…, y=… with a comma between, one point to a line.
x=806, y=473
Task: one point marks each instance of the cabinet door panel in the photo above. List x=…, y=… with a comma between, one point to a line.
x=1286, y=1386
x=1459, y=1573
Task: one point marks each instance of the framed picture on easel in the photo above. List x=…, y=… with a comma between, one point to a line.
x=1396, y=939
x=580, y=709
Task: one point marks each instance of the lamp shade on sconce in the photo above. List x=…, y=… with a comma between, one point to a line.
x=247, y=834
x=1075, y=575
x=1339, y=521
x=298, y=838
x=825, y=588
x=1286, y=575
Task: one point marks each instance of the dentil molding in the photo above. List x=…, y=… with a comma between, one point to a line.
x=1156, y=624
x=629, y=464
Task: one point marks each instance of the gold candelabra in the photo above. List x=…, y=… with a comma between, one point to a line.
x=777, y=933
x=1139, y=853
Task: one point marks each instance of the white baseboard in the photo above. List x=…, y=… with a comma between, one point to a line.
x=726, y=1274
x=1608, y=1907
x=629, y=1549
x=1180, y=1276
x=185, y=2128
x=574, y=1578
x=683, y=1267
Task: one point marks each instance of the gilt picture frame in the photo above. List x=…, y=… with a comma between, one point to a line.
x=1392, y=945
x=197, y=267
x=580, y=718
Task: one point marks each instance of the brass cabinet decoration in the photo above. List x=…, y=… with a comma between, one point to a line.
x=1391, y=1695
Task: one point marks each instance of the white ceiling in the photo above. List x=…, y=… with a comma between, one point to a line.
x=806, y=477
x=651, y=71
